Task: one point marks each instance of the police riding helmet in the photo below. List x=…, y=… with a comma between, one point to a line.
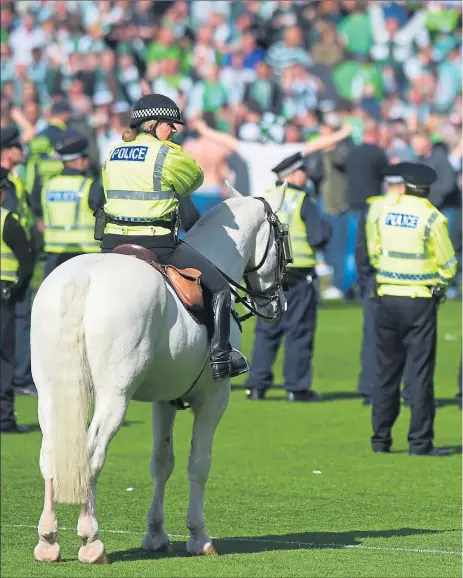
x=155, y=107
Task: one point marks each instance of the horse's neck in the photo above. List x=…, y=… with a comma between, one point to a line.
x=227, y=242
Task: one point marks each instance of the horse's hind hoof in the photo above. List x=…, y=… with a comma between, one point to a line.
x=45, y=552
x=93, y=553
x=103, y=559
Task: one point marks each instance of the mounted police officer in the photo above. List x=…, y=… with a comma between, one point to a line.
x=143, y=178
x=308, y=233
x=17, y=201
x=409, y=246
x=68, y=202
x=16, y=269
x=367, y=280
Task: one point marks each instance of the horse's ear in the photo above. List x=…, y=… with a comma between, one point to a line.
x=233, y=192
x=276, y=197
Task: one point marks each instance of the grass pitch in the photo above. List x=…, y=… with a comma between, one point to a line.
x=294, y=489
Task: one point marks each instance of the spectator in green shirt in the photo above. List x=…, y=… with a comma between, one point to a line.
x=163, y=48
x=355, y=31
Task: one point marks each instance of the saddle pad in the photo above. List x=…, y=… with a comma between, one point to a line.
x=185, y=282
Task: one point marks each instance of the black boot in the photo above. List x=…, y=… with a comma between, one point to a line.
x=220, y=350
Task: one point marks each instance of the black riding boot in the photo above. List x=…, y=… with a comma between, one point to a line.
x=220, y=350
x=223, y=365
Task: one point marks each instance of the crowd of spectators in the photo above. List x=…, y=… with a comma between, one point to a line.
x=262, y=71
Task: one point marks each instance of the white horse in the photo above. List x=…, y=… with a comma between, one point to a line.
x=108, y=327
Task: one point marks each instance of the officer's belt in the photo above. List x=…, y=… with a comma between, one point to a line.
x=166, y=222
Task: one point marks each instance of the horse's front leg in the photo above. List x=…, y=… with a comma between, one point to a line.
x=208, y=409
x=162, y=466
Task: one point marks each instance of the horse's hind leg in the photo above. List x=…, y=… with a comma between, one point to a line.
x=47, y=550
x=208, y=408
x=108, y=417
x=162, y=465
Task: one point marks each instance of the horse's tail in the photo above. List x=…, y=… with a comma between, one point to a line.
x=71, y=390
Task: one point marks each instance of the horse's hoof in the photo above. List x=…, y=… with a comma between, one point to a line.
x=209, y=550
x=45, y=552
x=93, y=553
x=103, y=559
x=159, y=544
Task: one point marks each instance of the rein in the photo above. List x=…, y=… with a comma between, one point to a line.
x=283, y=257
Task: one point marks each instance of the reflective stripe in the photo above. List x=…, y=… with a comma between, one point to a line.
x=78, y=245
x=449, y=263
x=71, y=228
x=398, y=255
x=140, y=195
x=427, y=231
x=158, y=166
x=406, y=277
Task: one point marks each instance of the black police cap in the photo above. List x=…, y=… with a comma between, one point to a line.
x=418, y=176
x=71, y=145
x=155, y=107
x=3, y=176
x=9, y=137
x=289, y=165
x=61, y=107
x=393, y=173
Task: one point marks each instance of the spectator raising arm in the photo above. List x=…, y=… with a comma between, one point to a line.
x=232, y=143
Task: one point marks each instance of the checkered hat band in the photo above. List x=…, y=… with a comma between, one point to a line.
x=151, y=112
x=394, y=180
x=291, y=169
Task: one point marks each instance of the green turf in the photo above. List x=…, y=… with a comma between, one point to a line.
x=363, y=515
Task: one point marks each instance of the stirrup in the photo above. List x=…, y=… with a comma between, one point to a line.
x=240, y=365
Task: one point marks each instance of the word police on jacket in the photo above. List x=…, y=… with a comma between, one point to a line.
x=132, y=153
x=401, y=220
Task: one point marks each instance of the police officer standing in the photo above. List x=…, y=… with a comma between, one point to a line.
x=15, y=274
x=17, y=201
x=41, y=163
x=143, y=178
x=68, y=202
x=409, y=246
x=308, y=233
x=367, y=279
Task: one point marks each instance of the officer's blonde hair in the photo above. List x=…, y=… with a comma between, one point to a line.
x=130, y=134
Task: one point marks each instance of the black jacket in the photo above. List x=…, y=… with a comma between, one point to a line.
x=364, y=166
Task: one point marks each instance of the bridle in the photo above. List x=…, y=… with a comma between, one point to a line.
x=279, y=233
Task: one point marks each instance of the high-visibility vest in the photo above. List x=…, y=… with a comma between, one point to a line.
x=26, y=218
x=9, y=265
x=290, y=215
x=40, y=161
x=141, y=180
x=69, y=221
x=405, y=254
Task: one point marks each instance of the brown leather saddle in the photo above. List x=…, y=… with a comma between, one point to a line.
x=185, y=282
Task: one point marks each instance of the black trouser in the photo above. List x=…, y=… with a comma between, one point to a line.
x=7, y=418
x=297, y=326
x=179, y=255
x=55, y=260
x=406, y=331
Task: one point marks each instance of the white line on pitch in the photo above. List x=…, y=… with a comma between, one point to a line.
x=314, y=545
